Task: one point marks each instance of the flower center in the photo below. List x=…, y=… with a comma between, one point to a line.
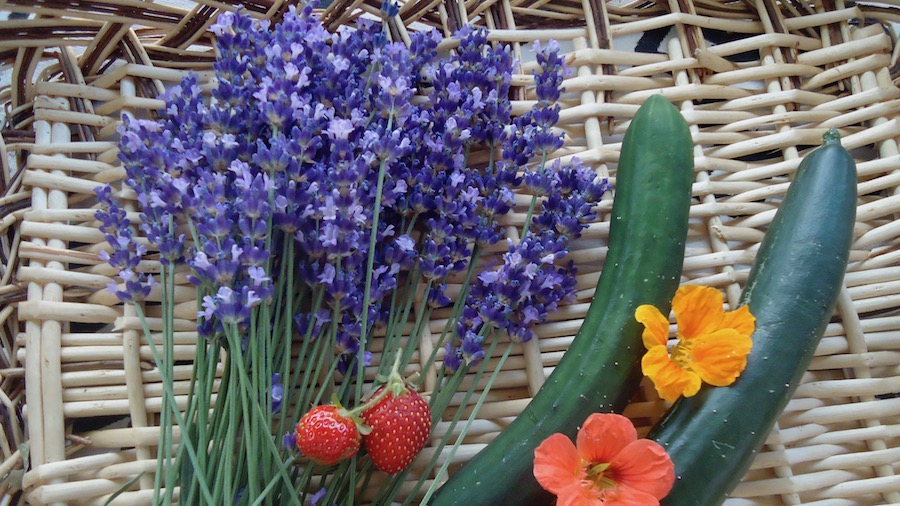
x=681, y=353
x=599, y=475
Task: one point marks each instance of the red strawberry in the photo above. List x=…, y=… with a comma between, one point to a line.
x=327, y=435
x=400, y=423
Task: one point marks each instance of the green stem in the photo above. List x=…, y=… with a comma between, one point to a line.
x=166, y=381
x=251, y=433
x=218, y=425
x=465, y=429
x=273, y=482
x=301, y=365
x=305, y=482
x=234, y=418
x=224, y=467
x=304, y=396
x=394, y=337
x=269, y=443
x=370, y=263
x=400, y=317
x=205, y=383
x=286, y=341
x=325, y=389
x=412, y=223
x=422, y=318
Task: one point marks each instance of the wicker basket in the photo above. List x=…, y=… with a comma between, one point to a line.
x=759, y=81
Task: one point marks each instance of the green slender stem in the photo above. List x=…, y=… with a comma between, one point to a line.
x=305, y=482
x=232, y=432
x=241, y=473
x=531, y=207
x=384, y=490
x=399, y=318
x=273, y=483
x=249, y=434
x=159, y=477
x=223, y=468
x=205, y=384
x=303, y=396
x=471, y=418
x=269, y=443
x=169, y=321
x=394, y=338
x=367, y=474
x=351, y=490
x=336, y=485
x=168, y=392
x=412, y=223
x=301, y=365
x=288, y=282
x=338, y=492
x=422, y=317
x=197, y=402
x=325, y=388
x=370, y=263
x=195, y=391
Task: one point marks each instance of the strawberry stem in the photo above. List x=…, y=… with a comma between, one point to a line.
x=395, y=384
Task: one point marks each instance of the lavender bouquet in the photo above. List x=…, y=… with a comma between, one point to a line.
x=329, y=194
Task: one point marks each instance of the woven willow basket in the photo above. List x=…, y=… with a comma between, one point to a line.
x=759, y=81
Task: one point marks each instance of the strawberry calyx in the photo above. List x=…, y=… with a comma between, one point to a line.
x=351, y=414
x=395, y=385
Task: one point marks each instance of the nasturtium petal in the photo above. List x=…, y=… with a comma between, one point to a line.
x=656, y=325
x=698, y=310
x=602, y=437
x=627, y=496
x=557, y=464
x=670, y=380
x=577, y=495
x=741, y=320
x=720, y=357
x=645, y=466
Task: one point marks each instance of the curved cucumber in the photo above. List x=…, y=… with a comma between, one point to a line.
x=600, y=370
x=792, y=290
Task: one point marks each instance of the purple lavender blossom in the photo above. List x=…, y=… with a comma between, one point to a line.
x=453, y=357
x=137, y=286
x=347, y=363
x=289, y=441
x=276, y=392
x=531, y=281
x=389, y=9
x=318, y=496
x=472, y=350
x=117, y=230
x=126, y=250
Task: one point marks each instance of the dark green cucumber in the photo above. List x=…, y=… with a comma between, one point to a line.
x=792, y=290
x=600, y=370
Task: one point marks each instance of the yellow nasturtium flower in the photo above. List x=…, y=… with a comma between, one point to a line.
x=712, y=345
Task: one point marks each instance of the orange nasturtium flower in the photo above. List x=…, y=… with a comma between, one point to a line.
x=608, y=465
x=712, y=344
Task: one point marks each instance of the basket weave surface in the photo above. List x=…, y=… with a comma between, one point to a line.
x=758, y=81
